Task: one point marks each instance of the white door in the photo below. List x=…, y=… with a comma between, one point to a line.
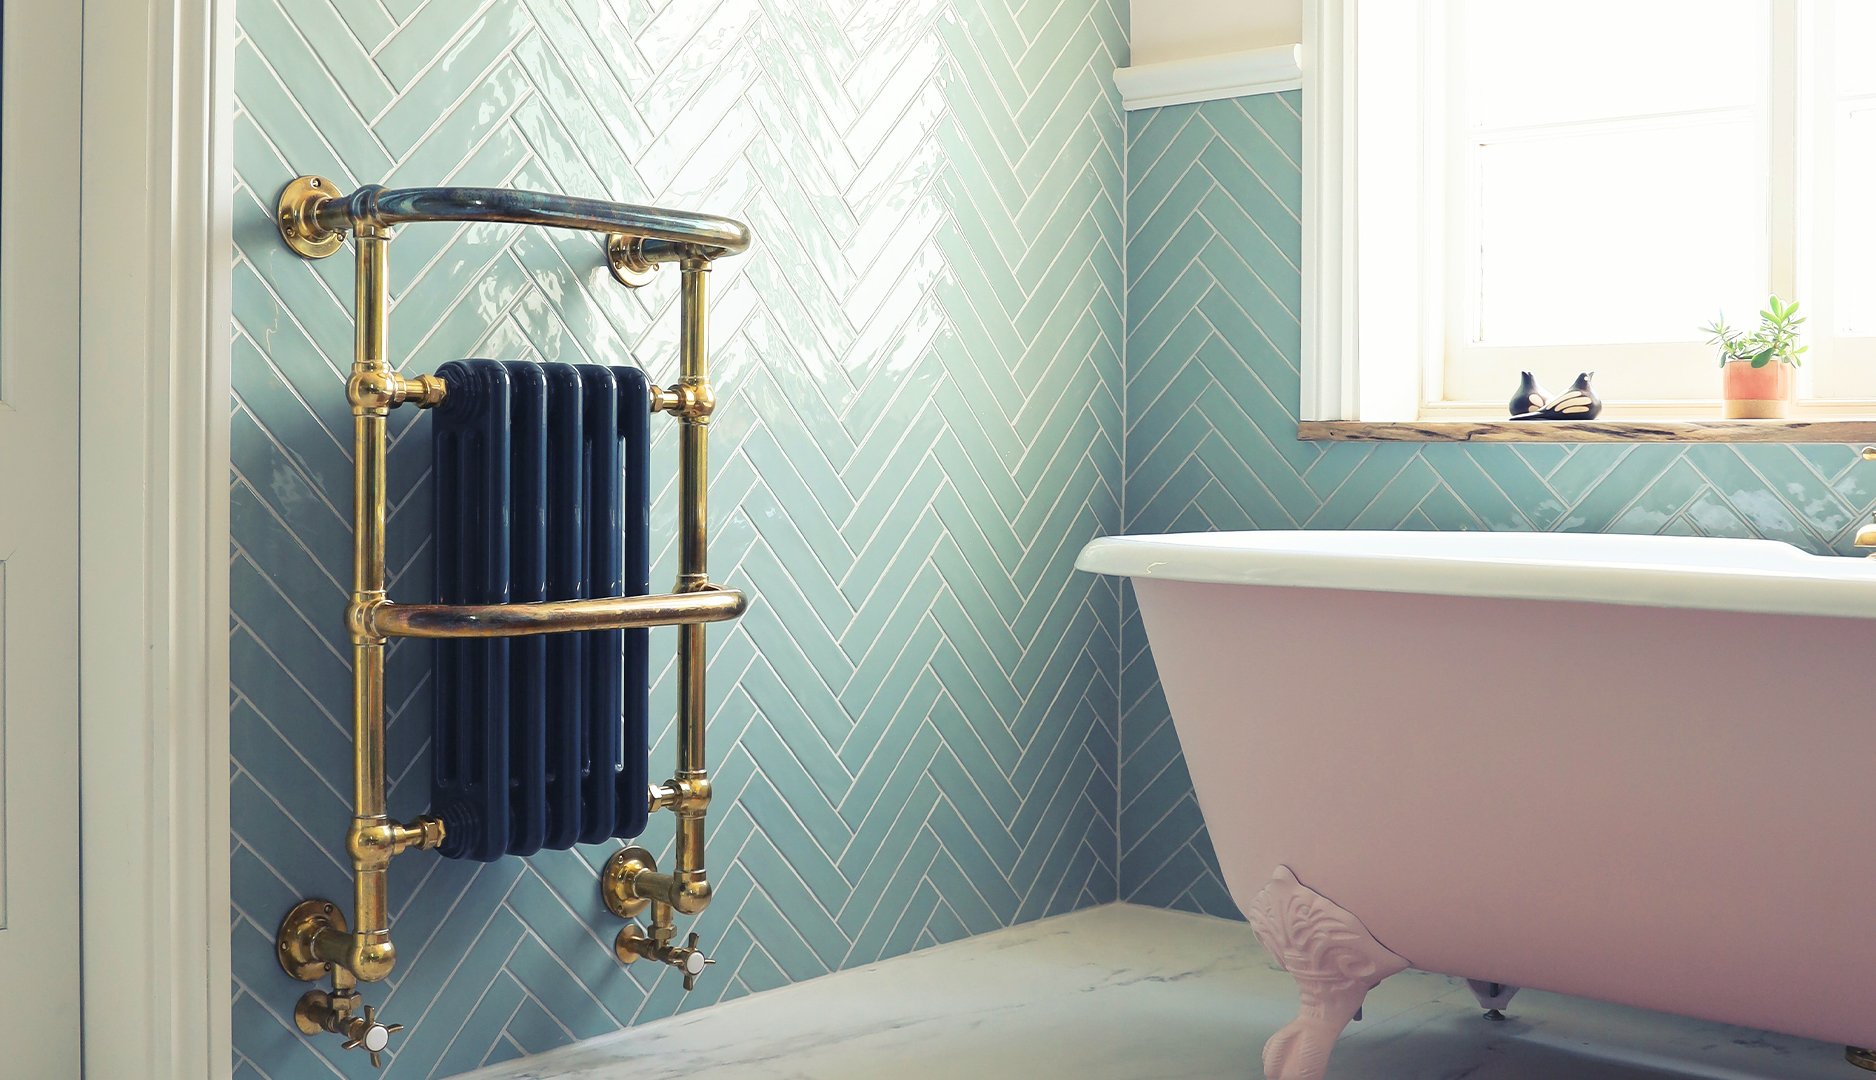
x=39, y=827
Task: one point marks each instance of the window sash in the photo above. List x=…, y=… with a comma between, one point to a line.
x=1797, y=118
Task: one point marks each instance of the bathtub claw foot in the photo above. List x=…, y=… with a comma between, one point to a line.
x=1493, y=997
x=1335, y=962
x=1301, y=1050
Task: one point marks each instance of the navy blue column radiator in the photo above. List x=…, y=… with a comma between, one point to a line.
x=542, y=594
x=542, y=493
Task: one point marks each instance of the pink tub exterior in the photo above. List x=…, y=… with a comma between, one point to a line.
x=1638, y=796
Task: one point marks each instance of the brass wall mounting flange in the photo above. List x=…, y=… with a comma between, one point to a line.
x=625, y=255
x=297, y=214
x=1861, y=1058
x=294, y=941
x=616, y=882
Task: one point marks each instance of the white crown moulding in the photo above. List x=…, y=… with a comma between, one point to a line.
x=1209, y=78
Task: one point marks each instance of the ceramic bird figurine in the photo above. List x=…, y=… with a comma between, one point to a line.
x=1530, y=396
x=1579, y=402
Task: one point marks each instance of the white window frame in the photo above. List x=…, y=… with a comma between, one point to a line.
x=1376, y=264
x=1838, y=370
x=156, y=257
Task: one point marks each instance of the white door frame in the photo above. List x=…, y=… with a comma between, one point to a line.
x=157, y=256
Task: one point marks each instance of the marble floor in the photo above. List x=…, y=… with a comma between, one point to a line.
x=1123, y=993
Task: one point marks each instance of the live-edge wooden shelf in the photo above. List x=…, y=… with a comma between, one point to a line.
x=1584, y=431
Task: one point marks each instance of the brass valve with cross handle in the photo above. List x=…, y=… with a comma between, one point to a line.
x=633, y=943
x=619, y=887
x=319, y=1011
x=339, y=1010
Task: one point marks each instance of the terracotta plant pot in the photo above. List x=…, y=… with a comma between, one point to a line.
x=1761, y=393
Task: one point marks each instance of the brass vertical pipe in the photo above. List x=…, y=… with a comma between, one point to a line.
x=630, y=880
x=692, y=890
x=369, y=444
x=372, y=390
x=693, y=502
x=371, y=916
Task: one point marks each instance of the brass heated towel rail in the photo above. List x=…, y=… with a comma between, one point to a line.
x=315, y=939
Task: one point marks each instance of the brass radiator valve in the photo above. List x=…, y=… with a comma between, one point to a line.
x=621, y=887
x=340, y=1010
x=339, y=1013
x=633, y=944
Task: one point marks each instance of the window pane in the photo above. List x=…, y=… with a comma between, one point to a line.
x=1531, y=63
x=1854, y=232
x=1854, y=31
x=1626, y=236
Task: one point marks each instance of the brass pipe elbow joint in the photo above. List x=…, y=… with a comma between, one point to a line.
x=373, y=842
x=368, y=954
x=359, y=616
x=687, y=796
x=631, y=882
x=314, y=941
x=686, y=400
x=689, y=893
x=380, y=390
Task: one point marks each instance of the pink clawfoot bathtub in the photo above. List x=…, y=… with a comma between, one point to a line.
x=1639, y=769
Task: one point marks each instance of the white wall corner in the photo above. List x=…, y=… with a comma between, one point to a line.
x=1210, y=78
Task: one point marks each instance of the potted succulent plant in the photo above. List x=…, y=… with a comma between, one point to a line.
x=1757, y=368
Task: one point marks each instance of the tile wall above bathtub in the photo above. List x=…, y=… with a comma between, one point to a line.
x=919, y=420
x=1214, y=246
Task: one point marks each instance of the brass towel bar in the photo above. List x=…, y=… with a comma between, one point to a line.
x=552, y=617
x=315, y=939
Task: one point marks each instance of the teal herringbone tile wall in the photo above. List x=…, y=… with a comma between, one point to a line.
x=919, y=424
x=1213, y=250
